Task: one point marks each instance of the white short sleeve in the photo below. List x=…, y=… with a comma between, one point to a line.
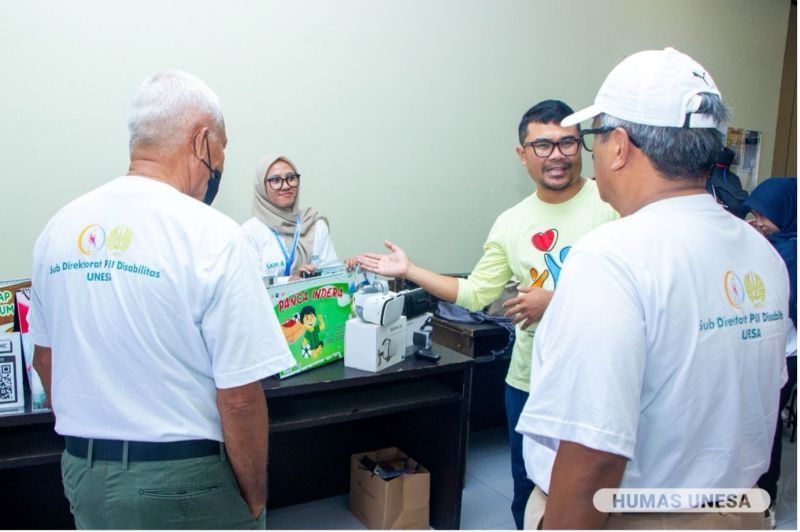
x=324, y=253
x=240, y=329
x=37, y=324
x=591, y=341
x=791, y=341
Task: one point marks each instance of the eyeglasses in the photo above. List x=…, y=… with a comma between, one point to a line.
x=543, y=148
x=588, y=141
x=276, y=182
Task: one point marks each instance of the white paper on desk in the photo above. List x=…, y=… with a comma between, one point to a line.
x=11, y=396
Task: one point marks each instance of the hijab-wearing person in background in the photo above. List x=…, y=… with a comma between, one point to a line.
x=773, y=204
x=288, y=240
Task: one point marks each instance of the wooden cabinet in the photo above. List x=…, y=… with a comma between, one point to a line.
x=317, y=419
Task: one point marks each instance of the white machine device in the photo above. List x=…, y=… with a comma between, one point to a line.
x=376, y=338
x=376, y=304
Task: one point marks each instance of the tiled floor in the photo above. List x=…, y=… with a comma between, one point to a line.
x=786, y=507
x=487, y=493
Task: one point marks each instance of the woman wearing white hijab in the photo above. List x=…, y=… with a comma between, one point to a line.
x=288, y=240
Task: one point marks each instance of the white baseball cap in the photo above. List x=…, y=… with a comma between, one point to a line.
x=656, y=88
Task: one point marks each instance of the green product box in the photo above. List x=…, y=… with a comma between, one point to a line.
x=312, y=313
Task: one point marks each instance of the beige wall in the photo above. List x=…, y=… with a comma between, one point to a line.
x=401, y=116
x=784, y=161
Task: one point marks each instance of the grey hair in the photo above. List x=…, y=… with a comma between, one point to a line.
x=164, y=108
x=678, y=152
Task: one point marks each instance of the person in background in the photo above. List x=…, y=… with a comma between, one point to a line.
x=151, y=346
x=725, y=186
x=647, y=371
x=288, y=240
x=529, y=242
x=773, y=204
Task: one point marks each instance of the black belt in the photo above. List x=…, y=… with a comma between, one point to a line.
x=141, y=451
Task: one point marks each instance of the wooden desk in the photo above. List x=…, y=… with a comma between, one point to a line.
x=488, y=344
x=317, y=419
x=30, y=472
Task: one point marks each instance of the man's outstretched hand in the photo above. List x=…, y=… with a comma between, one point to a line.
x=395, y=264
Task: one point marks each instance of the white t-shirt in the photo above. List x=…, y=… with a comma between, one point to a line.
x=664, y=344
x=150, y=300
x=270, y=255
x=791, y=342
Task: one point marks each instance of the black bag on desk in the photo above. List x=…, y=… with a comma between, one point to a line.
x=726, y=186
x=476, y=334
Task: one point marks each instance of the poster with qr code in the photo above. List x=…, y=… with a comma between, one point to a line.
x=11, y=394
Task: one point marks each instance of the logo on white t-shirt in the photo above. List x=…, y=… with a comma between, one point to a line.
x=91, y=239
x=734, y=290
x=749, y=322
x=755, y=289
x=119, y=239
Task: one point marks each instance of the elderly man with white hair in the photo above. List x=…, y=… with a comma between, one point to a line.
x=153, y=330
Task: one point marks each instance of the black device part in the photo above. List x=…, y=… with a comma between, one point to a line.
x=367, y=463
x=422, y=339
x=306, y=275
x=417, y=301
x=427, y=354
x=384, y=470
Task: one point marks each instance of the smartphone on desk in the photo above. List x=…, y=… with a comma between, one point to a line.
x=426, y=354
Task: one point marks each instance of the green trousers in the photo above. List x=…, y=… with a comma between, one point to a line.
x=196, y=493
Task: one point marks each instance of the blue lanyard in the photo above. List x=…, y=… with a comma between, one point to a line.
x=288, y=258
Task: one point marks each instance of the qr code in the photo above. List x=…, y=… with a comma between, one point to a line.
x=8, y=385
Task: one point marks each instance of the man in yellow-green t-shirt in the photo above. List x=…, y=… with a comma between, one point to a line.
x=529, y=242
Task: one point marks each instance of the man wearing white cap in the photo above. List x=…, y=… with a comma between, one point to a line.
x=678, y=312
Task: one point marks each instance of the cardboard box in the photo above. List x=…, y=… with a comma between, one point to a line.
x=371, y=347
x=400, y=503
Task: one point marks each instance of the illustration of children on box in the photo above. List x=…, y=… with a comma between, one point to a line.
x=313, y=324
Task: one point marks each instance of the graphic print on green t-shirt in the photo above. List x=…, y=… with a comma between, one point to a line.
x=545, y=241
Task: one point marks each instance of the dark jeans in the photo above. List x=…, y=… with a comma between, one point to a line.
x=769, y=480
x=515, y=401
